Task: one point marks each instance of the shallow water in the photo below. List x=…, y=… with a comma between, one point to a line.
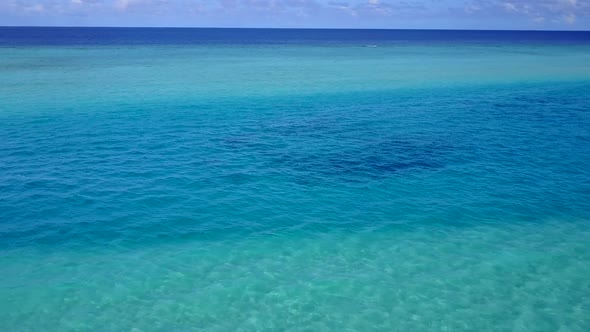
x=417, y=186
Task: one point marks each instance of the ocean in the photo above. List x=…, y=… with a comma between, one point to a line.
x=294, y=180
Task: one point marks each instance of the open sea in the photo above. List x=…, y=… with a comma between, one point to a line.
x=294, y=180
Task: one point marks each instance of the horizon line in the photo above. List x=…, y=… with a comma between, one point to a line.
x=280, y=28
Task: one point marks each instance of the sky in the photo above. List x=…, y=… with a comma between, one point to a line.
x=394, y=14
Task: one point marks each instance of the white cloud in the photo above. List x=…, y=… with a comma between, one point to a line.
x=471, y=8
x=510, y=7
x=569, y=18
x=570, y=2
x=35, y=8
x=122, y=5
x=554, y=13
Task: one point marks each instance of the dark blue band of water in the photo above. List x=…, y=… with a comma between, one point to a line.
x=22, y=36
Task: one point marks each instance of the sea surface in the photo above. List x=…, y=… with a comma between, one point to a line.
x=294, y=180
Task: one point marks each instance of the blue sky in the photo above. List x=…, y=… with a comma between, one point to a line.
x=443, y=14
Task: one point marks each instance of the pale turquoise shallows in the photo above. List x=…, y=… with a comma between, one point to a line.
x=413, y=187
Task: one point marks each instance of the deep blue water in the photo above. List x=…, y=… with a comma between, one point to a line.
x=189, y=36
x=276, y=180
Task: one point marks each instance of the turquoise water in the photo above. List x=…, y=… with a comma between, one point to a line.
x=414, y=187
